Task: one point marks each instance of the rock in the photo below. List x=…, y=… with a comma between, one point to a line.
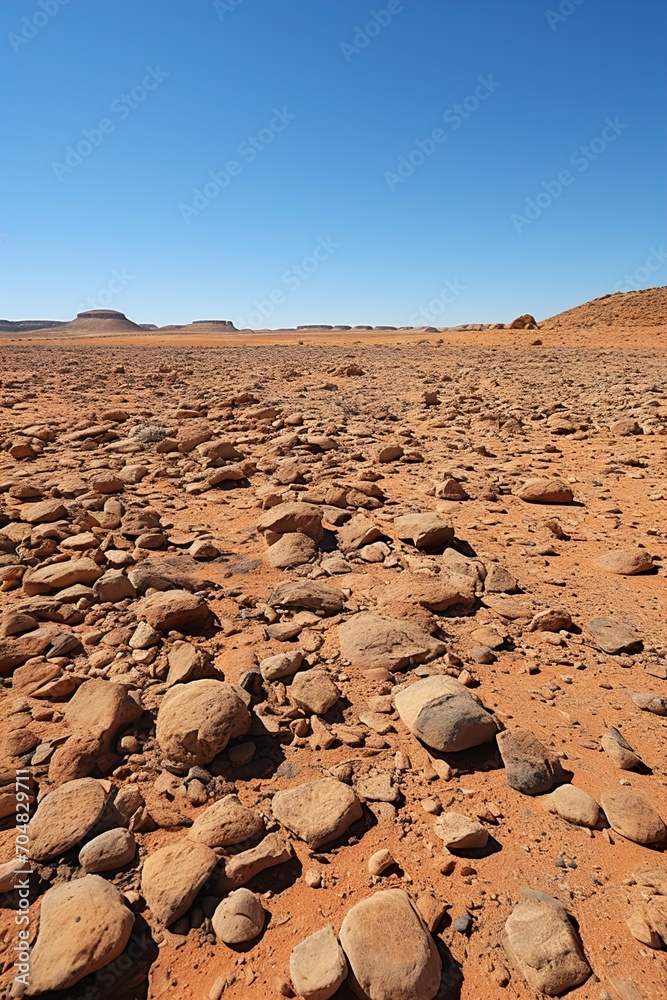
x=57, y=576
x=15, y=650
x=174, y=610
x=525, y=322
x=65, y=816
x=655, y=703
x=108, y=851
x=574, y=805
x=173, y=875
x=499, y=580
x=289, y=517
x=239, y=917
x=159, y=575
x=451, y=489
x=459, y=832
x=613, y=638
x=314, y=691
x=425, y=531
x=550, y=620
x=240, y=868
x=631, y=816
x=226, y=822
x=541, y=490
x=196, y=720
x=317, y=811
x=280, y=665
x=307, y=594
x=619, y=750
x=101, y=708
x=437, y=593
x=318, y=966
x=113, y=586
x=626, y=562
x=292, y=549
x=444, y=714
x=529, y=768
x=83, y=926
x=43, y=512
x=544, y=946
x=389, y=950
x=368, y=640
x=187, y=663
x=358, y=532
x=380, y=861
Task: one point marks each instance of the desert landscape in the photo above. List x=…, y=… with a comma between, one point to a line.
x=333, y=659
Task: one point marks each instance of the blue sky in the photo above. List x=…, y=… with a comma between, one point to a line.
x=281, y=162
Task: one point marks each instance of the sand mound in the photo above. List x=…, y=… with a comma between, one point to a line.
x=646, y=308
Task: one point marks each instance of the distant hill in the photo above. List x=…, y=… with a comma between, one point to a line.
x=646, y=308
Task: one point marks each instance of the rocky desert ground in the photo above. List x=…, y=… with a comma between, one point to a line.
x=332, y=663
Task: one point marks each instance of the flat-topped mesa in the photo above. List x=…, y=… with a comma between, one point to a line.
x=101, y=314
x=224, y=323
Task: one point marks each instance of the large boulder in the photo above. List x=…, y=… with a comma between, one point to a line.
x=173, y=875
x=83, y=925
x=444, y=714
x=369, y=640
x=197, y=720
x=317, y=811
x=65, y=816
x=102, y=708
x=545, y=947
x=391, y=954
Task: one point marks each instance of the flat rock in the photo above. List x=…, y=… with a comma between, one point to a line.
x=543, y=490
x=626, y=562
x=65, y=816
x=545, y=947
x=390, y=952
x=307, y=594
x=612, y=637
x=173, y=875
x=226, y=822
x=196, y=720
x=317, y=811
x=425, y=531
x=444, y=714
x=289, y=517
x=368, y=640
x=318, y=966
x=57, y=576
x=631, y=816
x=239, y=917
x=83, y=926
x=648, y=702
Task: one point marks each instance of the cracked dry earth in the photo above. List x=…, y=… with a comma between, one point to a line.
x=335, y=668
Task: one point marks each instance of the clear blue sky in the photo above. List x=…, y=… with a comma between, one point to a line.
x=314, y=117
